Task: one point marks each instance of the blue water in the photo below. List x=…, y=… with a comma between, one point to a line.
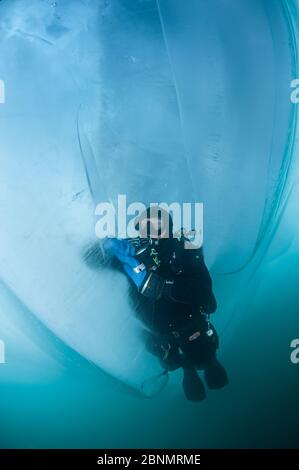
x=162, y=101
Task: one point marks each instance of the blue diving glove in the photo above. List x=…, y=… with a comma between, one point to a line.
x=125, y=253
x=148, y=283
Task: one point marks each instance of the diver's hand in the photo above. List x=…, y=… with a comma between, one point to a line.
x=125, y=253
x=145, y=252
x=139, y=244
x=148, y=283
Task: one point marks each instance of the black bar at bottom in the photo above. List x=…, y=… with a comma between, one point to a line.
x=133, y=458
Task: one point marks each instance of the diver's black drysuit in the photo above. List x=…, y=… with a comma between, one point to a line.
x=173, y=299
x=179, y=317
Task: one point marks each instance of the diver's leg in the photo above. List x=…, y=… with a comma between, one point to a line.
x=171, y=359
x=167, y=351
x=202, y=352
x=192, y=384
x=215, y=374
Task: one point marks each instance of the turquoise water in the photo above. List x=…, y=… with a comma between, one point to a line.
x=157, y=100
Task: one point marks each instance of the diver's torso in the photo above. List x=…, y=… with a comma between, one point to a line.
x=168, y=315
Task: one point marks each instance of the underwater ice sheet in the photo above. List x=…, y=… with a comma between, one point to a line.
x=159, y=100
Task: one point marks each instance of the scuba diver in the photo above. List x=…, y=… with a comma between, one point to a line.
x=172, y=289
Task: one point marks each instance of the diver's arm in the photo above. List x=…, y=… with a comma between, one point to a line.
x=200, y=276
x=124, y=252
x=148, y=283
x=153, y=286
